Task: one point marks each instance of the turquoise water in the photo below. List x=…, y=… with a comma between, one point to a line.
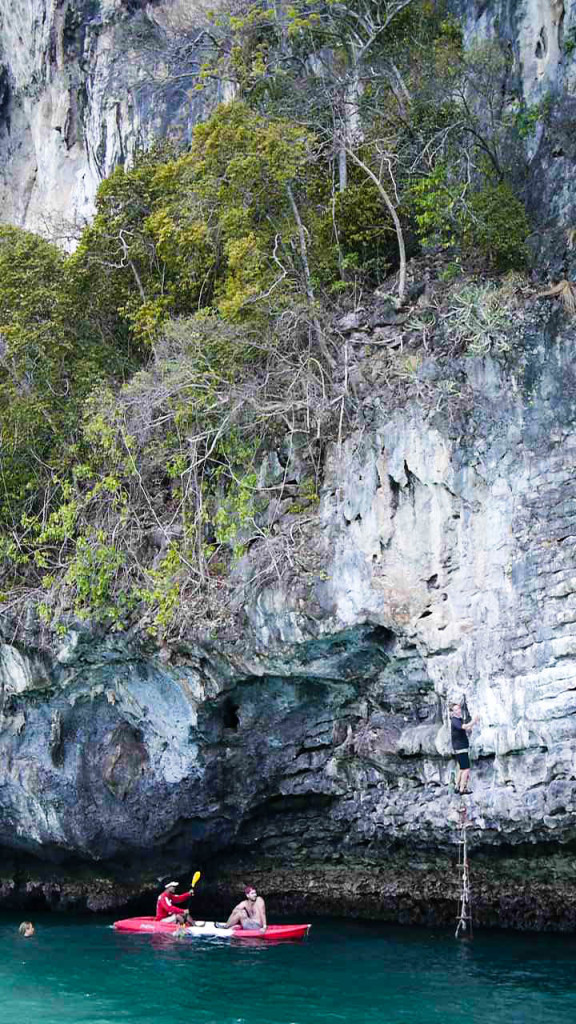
x=79, y=971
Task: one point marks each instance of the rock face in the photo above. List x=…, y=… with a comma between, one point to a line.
x=83, y=83
x=314, y=753
x=540, y=38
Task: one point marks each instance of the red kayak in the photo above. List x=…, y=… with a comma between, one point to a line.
x=153, y=927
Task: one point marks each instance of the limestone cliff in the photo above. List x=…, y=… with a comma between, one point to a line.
x=83, y=83
x=314, y=751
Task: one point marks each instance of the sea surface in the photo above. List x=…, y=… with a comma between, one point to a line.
x=79, y=971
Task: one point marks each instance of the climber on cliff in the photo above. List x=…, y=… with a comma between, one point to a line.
x=250, y=914
x=166, y=906
x=460, y=745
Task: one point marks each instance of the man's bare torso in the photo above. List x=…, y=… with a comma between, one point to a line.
x=254, y=909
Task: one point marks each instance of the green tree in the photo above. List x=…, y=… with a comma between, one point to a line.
x=34, y=363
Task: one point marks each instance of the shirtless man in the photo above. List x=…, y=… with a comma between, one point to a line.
x=250, y=914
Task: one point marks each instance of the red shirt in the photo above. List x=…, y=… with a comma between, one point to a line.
x=166, y=904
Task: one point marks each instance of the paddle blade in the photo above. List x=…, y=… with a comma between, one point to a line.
x=196, y=878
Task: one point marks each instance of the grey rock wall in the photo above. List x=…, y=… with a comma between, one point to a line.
x=83, y=83
x=318, y=742
x=540, y=38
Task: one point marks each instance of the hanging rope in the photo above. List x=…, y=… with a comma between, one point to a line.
x=464, y=918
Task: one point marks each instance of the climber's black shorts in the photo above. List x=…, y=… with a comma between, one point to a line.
x=463, y=760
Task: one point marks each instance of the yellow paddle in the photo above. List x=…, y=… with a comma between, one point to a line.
x=195, y=878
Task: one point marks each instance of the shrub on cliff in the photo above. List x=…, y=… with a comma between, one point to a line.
x=487, y=219
x=464, y=190
x=51, y=356
x=224, y=229
x=40, y=367
x=167, y=495
x=391, y=91
x=217, y=227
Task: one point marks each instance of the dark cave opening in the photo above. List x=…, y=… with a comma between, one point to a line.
x=229, y=711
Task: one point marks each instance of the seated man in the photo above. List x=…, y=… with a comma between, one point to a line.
x=250, y=914
x=166, y=906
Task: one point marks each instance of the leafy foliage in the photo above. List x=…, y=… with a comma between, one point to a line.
x=51, y=356
x=488, y=220
x=210, y=228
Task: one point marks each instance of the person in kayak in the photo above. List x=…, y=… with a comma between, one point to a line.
x=460, y=745
x=250, y=914
x=166, y=906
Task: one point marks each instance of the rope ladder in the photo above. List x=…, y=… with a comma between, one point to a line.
x=464, y=919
